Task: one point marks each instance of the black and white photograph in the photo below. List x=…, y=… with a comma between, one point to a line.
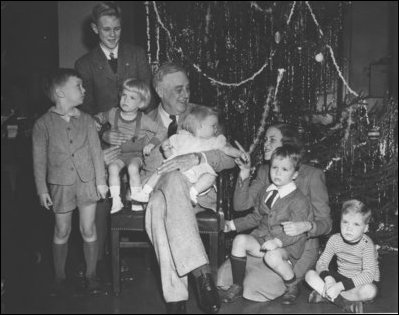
x=286, y=201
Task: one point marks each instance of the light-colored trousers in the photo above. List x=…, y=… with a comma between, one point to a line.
x=262, y=284
x=172, y=227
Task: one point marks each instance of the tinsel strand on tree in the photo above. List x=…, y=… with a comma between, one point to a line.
x=233, y=52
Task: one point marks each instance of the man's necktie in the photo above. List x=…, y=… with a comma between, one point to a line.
x=172, y=129
x=113, y=62
x=269, y=201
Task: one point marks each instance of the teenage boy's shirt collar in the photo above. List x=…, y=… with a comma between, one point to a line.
x=283, y=190
x=107, y=52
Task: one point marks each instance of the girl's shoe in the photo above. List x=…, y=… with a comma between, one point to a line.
x=117, y=205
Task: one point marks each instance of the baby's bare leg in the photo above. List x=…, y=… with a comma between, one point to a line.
x=204, y=182
x=277, y=260
x=153, y=180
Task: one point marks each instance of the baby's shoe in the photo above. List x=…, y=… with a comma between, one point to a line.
x=117, y=205
x=193, y=195
x=138, y=194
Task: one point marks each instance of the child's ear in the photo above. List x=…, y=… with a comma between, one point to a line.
x=366, y=229
x=94, y=27
x=295, y=175
x=59, y=92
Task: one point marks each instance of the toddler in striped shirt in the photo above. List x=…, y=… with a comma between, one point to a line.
x=357, y=277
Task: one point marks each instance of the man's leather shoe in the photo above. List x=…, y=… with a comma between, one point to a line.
x=176, y=307
x=208, y=296
x=290, y=296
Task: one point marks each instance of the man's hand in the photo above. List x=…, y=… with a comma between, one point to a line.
x=181, y=162
x=45, y=201
x=271, y=244
x=111, y=154
x=102, y=191
x=115, y=138
x=295, y=228
x=148, y=148
x=98, y=125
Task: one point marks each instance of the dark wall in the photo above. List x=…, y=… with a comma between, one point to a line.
x=371, y=33
x=29, y=46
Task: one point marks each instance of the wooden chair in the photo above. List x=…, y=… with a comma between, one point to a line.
x=210, y=225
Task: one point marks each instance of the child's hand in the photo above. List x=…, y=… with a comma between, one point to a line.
x=98, y=125
x=334, y=290
x=229, y=226
x=45, y=201
x=271, y=244
x=102, y=191
x=166, y=146
x=148, y=148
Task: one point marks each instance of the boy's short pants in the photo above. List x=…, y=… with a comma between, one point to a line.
x=341, y=278
x=67, y=197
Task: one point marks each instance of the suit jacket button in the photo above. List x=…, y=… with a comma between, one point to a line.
x=72, y=169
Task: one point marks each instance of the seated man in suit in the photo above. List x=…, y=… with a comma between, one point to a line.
x=170, y=216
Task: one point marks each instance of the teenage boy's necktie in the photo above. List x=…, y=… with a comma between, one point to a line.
x=113, y=62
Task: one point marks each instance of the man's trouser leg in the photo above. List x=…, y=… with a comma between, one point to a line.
x=172, y=228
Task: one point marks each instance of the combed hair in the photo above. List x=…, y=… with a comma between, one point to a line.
x=290, y=136
x=140, y=87
x=356, y=206
x=109, y=8
x=165, y=69
x=57, y=79
x=195, y=117
x=288, y=151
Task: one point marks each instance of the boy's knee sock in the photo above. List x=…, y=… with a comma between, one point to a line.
x=60, y=253
x=115, y=191
x=238, y=265
x=90, y=250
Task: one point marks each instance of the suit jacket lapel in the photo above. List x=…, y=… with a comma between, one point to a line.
x=102, y=64
x=123, y=61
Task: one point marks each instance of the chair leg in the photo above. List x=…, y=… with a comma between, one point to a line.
x=213, y=253
x=222, y=248
x=116, y=277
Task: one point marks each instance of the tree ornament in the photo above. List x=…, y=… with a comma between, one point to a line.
x=374, y=133
x=319, y=57
x=277, y=37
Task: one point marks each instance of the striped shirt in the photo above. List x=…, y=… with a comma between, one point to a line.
x=357, y=262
